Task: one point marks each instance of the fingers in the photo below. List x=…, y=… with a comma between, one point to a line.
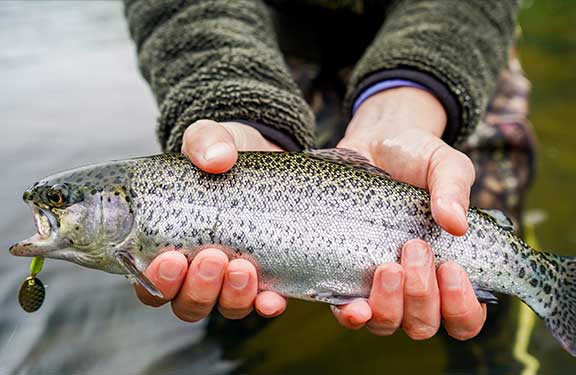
x=450, y=178
x=421, y=318
x=210, y=278
x=214, y=146
x=239, y=289
x=463, y=315
x=387, y=299
x=353, y=315
x=412, y=296
x=201, y=287
x=167, y=272
x=269, y=304
x=210, y=146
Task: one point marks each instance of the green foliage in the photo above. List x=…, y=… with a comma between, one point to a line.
x=548, y=53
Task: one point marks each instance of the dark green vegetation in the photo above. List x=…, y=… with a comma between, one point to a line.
x=548, y=54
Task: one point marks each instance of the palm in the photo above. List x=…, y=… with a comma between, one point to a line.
x=419, y=158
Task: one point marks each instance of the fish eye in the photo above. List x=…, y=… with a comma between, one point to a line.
x=56, y=196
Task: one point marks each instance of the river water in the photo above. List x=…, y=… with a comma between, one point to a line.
x=70, y=94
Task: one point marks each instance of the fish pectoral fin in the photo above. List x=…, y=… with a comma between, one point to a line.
x=347, y=157
x=127, y=262
x=333, y=298
x=485, y=296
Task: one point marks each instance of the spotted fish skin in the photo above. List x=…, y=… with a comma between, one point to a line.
x=316, y=228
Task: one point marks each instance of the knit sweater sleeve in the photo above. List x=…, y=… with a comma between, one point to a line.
x=218, y=60
x=460, y=45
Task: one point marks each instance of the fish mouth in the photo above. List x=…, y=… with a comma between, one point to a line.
x=45, y=240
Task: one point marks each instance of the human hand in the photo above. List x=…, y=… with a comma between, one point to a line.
x=211, y=279
x=399, y=131
x=417, y=297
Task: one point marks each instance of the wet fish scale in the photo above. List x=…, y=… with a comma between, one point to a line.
x=302, y=224
x=312, y=215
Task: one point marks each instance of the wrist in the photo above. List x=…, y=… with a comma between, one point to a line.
x=391, y=112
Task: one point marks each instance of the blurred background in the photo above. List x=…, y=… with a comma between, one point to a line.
x=70, y=94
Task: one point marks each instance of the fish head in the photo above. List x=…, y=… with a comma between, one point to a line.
x=79, y=216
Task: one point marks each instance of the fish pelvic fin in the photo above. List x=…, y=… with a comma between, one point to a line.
x=562, y=317
x=484, y=296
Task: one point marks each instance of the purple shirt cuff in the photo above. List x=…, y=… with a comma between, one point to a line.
x=384, y=85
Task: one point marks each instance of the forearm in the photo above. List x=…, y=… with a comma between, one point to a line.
x=218, y=60
x=456, y=46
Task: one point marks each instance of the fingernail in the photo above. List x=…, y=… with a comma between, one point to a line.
x=452, y=280
x=359, y=315
x=268, y=308
x=452, y=206
x=209, y=269
x=416, y=255
x=217, y=150
x=169, y=270
x=459, y=211
x=390, y=281
x=238, y=280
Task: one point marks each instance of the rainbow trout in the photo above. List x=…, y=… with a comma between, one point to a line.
x=315, y=224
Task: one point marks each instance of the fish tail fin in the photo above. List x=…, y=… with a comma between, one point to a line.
x=561, y=317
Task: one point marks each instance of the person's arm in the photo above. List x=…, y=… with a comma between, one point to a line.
x=454, y=48
x=217, y=60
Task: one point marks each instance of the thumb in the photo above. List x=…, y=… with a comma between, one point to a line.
x=210, y=146
x=450, y=178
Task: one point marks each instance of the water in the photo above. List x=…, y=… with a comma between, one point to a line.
x=70, y=95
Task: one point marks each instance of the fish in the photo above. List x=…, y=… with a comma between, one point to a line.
x=315, y=224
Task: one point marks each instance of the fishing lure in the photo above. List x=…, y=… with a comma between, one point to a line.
x=32, y=292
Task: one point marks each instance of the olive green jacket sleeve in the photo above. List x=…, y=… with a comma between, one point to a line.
x=461, y=44
x=216, y=59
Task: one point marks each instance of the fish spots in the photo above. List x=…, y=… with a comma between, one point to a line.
x=547, y=289
x=534, y=282
x=522, y=273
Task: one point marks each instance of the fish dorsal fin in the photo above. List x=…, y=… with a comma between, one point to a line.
x=500, y=218
x=347, y=157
